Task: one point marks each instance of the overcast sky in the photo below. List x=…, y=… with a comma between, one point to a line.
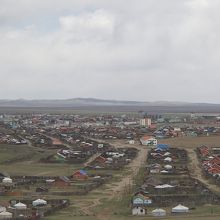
x=146, y=50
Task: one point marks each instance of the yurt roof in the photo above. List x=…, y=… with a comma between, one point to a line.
x=168, y=166
x=2, y=209
x=163, y=186
x=6, y=214
x=39, y=200
x=158, y=210
x=181, y=207
x=6, y=178
x=20, y=205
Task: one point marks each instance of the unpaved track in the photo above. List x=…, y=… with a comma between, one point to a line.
x=115, y=189
x=196, y=171
x=133, y=167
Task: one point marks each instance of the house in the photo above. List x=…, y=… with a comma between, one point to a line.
x=80, y=175
x=162, y=147
x=131, y=142
x=145, y=122
x=204, y=151
x=100, y=159
x=142, y=200
x=148, y=141
x=158, y=212
x=138, y=210
x=214, y=169
x=152, y=181
x=61, y=181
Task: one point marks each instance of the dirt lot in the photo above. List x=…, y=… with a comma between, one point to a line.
x=192, y=142
x=137, y=218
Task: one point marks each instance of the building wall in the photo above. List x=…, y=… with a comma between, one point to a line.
x=138, y=211
x=149, y=142
x=146, y=122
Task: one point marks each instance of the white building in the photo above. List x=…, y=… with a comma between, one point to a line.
x=137, y=210
x=20, y=206
x=39, y=202
x=131, y=142
x=158, y=212
x=5, y=215
x=180, y=209
x=148, y=141
x=7, y=180
x=145, y=122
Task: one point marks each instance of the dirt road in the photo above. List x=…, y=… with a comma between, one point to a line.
x=115, y=189
x=196, y=171
x=133, y=167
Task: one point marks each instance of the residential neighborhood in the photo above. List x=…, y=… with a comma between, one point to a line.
x=77, y=155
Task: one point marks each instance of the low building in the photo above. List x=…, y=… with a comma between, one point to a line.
x=158, y=212
x=80, y=175
x=138, y=210
x=180, y=209
x=148, y=141
x=145, y=122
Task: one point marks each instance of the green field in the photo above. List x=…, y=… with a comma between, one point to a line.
x=110, y=209
x=24, y=160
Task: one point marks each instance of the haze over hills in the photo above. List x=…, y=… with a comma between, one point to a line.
x=78, y=102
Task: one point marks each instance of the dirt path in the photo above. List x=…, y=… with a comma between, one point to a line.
x=88, y=209
x=196, y=171
x=115, y=189
x=133, y=167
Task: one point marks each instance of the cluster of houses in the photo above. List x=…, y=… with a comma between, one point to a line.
x=11, y=139
x=43, y=189
x=80, y=182
x=174, y=132
x=78, y=153
x=165, y=160
x=31, y=209
x=114, y=159
x=193, y=131
x=72, y=139
x=210, y=162
x=167, y=183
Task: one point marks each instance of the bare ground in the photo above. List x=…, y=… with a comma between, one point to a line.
x=196, y=172
x=114, y=189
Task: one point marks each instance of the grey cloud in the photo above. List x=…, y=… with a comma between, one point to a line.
x=140, y=50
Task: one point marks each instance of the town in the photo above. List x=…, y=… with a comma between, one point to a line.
x=52, y=165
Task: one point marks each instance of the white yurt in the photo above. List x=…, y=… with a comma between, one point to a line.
x=2, y=209
x=7, y=180
x=164, y=171
x=5, y=215
x=167, y=154
x=20, y=206
x=50, y=181
x=164, y=186
x=39, y=202
x=180, y=209
x=168, y=167
x=168, y=159
x=158, y=212
x=138, y=211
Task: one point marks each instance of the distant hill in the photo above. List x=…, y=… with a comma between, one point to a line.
x=83, y=102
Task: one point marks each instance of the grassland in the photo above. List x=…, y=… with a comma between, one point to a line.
x=100, y=200
x=23, y=160
x=192, y=142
